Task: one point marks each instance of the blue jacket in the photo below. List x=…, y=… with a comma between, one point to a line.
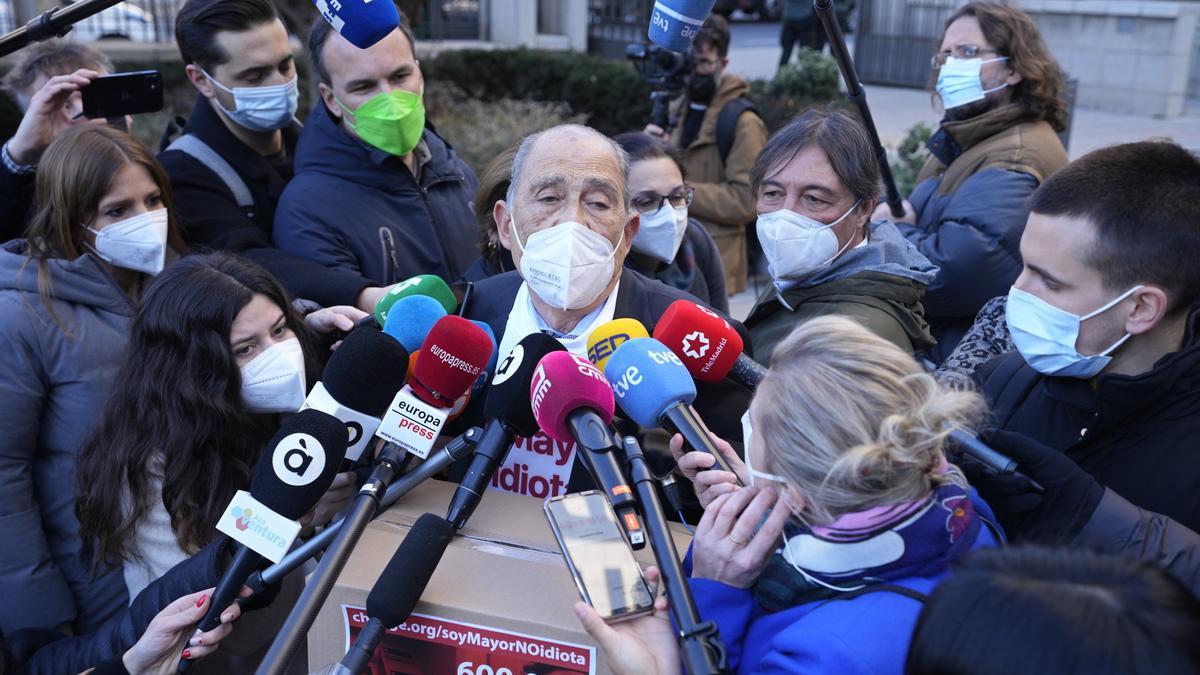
x=53, y=387
x=868, y=634
x=356, y=208
x=971, y=211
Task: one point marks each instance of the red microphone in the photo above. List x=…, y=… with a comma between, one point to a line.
x=706, y=343
x=453, y=356
x=572, y=400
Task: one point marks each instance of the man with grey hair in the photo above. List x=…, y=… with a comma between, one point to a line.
x=45, y=83
x=567, y=221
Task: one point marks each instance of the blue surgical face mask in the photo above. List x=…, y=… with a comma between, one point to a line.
x=959, y=82
x=261, y=108
x=1046, y=335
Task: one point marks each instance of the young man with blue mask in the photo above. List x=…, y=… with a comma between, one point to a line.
x=1104, y=319
x=1004, y=100
x=377, y=192
x=229, y=167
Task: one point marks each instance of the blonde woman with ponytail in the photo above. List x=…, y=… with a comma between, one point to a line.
x=849, y=517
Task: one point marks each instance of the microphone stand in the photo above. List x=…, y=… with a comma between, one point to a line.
x=54, y=22
x=701, y=648
x=858, y=96
x=364, y=509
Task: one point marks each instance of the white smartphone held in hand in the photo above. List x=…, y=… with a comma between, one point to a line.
x=598, y=555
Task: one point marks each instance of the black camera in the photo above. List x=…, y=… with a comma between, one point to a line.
x=666, y=72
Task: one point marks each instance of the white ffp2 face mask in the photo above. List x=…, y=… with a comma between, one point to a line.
x=261, y=108
x=274, y=381
x=959, y=81
x=661, y=233
x=567, y=265
x=795, y=245
x=138, y=243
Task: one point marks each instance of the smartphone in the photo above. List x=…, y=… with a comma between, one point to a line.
x=113, y=96
x=598, y=555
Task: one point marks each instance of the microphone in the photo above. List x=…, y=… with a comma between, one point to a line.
x=605, y=339
x=399, y=587
x=571, y=400
x=674, y=24
x=361, y=378
x=293, y=473
x=361, y=22
x=411, y=319
x=653, y=388
x=490, y=368
x=708, y=346
x=429, y=285
x=509, y=414
x=452, y=357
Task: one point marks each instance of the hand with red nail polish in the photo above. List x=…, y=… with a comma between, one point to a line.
x=172, y=633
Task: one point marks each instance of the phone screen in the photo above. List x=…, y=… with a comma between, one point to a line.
x=609, y=577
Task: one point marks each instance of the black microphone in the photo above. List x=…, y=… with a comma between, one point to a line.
x=360, y=380
x=400, y=586
x=509, y=414
x=291, y=475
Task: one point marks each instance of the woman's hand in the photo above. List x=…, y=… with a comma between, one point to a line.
x=726, y=547
x=330, y=319
x=645, y=645
x=709, y=483
x=170, y=633
x=333, y=502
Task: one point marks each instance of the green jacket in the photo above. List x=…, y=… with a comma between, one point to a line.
x=889, y=305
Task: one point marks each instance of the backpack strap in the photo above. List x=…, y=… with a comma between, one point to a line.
x=727, y=123
x=197, y=149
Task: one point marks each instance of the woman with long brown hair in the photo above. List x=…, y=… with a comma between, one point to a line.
x=67, y=292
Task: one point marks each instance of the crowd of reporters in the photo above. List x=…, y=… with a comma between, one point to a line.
x=162, y=317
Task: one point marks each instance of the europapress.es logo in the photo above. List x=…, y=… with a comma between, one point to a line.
x=245, y=520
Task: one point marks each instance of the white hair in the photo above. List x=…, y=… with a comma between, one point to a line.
x=528, y=142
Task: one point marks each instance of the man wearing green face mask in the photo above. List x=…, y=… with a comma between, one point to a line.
x=375, y=190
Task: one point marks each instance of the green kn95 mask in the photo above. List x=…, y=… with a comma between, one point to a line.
x=392, y=121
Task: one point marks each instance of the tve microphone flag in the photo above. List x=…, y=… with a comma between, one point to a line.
x=411, y=318
x=429, y=285
x=653, y=388
x=454, y=354
x=361, y=22
x=571, y=400
x=362, y=376
x=605, y=339
x=509, y=414
x=295, y=469
x=706, y=343
x=400, y=586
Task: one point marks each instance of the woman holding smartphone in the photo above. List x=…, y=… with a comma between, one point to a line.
x=849, y=518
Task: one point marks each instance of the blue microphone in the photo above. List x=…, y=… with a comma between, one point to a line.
x=654, y=388
x=411, y=319
x=486, y=376
x=361, y=22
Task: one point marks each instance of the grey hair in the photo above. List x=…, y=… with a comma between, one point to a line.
x=852, y=421
x=842, y=138
x=528, y=142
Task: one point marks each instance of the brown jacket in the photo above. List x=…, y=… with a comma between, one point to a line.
x=724, y=202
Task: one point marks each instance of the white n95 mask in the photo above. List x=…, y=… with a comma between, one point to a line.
x=138, y=243
x=795, y=245
x=273, y=381
x=661, y=233
x=959, y=81
x=261, y=108
x=1045, y=335
x=567, y=265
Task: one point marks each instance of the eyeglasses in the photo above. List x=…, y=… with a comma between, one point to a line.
x=647, y=203
x=959, y=52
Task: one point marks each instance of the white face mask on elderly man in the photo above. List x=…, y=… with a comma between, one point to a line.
x=567, y=265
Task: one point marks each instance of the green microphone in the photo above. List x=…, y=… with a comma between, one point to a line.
x=423, y=284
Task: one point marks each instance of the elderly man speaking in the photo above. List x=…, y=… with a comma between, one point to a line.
x=567, y=222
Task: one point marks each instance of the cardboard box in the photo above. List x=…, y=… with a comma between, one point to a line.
x=499, y=602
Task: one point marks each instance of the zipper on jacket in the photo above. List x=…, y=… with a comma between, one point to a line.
x=451, y=271
x=391, y=265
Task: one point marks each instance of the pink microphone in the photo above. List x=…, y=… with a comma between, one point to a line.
x=563, y=384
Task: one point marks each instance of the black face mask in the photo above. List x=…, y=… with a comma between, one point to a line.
x=701, y=88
